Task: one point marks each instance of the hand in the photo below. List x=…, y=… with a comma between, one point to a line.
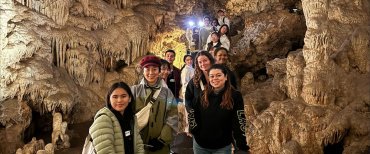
x=156, y=144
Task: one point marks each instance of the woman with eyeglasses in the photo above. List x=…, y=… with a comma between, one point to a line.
x=218, y=116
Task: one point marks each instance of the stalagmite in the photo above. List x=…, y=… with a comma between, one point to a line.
x=295, y=64
x=59, y=137
x=32, y=147
x=58, y=10
x=326, y=83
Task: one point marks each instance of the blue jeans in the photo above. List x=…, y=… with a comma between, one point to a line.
x=199, y=150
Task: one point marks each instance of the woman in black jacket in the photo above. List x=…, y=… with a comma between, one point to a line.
x=218, y=116
x=221, y=57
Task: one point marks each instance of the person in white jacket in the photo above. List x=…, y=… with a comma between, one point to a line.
x=187, y=73
x=222, y=19
x=224, y=39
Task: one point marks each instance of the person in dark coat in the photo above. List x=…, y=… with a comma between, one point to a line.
x=221, y=57
x=217, y=117
x=174, y=78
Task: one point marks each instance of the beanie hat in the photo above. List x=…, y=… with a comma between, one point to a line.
x=150, y=61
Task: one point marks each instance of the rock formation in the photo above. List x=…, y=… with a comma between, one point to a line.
x=304, y=66
x=267, y=35
x=318, y=103
x=58, y=57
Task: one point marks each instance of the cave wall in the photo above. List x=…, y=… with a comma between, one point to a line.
x=316, y=97
x=59, y=56
x=61, y=53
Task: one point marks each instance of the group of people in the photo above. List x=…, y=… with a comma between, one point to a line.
x=116, y=127
x=215, y=107
x=214, y=33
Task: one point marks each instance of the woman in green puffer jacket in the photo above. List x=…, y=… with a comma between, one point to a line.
x=114, y=130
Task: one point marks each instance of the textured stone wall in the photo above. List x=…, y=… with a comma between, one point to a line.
x=251, y=7
x=59, y=56
x=326, y=86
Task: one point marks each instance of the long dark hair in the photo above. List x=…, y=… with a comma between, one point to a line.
x=129, y=111
x=186, y=56
x=210, y=44
x=219, y=49
x=227, y=100
x=227, y=27
x=214, y=27
x=198, y=72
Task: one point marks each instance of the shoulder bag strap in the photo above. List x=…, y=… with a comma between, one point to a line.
x=154, y=96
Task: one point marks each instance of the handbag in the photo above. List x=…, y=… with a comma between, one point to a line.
x=142, y=117
x=88, y=147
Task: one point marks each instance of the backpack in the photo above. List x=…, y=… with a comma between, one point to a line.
x=88, y=147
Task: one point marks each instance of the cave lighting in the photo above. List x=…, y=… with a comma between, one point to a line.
x=200, y=23
x=191, y=23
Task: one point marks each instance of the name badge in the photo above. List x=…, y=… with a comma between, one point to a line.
x=127, y=133
x=172, y=80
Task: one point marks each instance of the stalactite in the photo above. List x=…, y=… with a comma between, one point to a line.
x=57, y=10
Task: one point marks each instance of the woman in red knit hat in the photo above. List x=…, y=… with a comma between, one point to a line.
x=162, y=122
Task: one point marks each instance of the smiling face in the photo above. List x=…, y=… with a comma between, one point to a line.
x=204, y=63
x=217, y=79
x=119, y=99
x=170, y=57
x=151, y=74
x=206, y=21
x=223, y=29
x=189, y=60
x=214, y=38
x=221, y=57
x=165, y=71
